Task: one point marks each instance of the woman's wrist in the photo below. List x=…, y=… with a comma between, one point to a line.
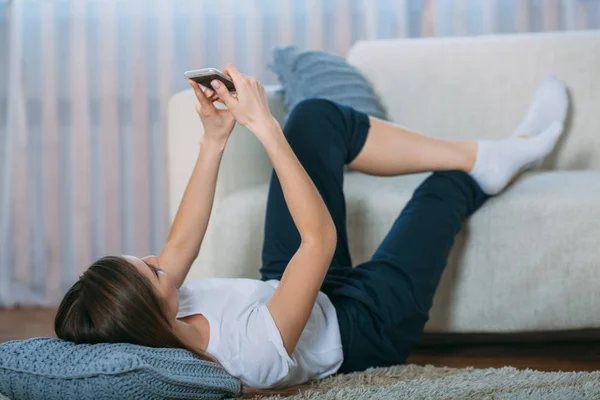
x=268, y=130
x=214, y=142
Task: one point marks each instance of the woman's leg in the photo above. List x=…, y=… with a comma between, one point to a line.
x=399, y=282
x=402, y=276
x=393, y=150
x=324, y=136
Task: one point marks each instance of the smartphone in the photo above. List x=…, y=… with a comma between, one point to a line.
x=206, y=75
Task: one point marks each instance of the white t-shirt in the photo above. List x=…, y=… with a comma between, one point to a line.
x=246, y=341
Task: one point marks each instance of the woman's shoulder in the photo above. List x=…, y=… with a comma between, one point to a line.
x=227, y=297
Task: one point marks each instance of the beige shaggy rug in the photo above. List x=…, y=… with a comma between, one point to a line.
x=416, y=382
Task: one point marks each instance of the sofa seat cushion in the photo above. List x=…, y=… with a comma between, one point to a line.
x=528, y=260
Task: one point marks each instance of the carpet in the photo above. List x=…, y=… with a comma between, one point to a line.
x=417, y=382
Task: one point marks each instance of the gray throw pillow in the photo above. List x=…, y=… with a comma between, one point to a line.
x=307, y=74
x=54, y=369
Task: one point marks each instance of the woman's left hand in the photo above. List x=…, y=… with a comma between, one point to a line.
x=218, y=123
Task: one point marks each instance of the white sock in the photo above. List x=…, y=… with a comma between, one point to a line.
x=549, y=104
x=499, y=161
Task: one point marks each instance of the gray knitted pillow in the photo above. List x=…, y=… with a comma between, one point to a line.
x=306, y=73
x=54, y=369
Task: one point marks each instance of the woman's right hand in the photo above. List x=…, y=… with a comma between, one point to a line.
x=250, y=108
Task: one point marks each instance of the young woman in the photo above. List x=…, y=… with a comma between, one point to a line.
x=312, y=314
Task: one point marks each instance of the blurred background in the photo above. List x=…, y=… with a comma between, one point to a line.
x=84, y=87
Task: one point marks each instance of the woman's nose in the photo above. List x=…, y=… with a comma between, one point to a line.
x=152, y=260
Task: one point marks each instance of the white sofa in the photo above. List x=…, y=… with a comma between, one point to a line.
x=528, y=261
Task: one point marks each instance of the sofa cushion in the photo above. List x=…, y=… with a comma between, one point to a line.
x=53, y=369
x=528, y=258
x=306, y=73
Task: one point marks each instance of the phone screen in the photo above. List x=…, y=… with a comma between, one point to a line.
x=206, y=79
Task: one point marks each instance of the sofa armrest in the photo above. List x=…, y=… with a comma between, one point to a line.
x=244, y=163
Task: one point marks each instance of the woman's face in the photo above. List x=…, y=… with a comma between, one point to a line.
x=164, y=286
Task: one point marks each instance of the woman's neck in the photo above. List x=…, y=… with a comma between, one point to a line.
x=193, y=332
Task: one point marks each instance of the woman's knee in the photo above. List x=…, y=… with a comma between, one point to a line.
x=313, y=108
x=314, y=120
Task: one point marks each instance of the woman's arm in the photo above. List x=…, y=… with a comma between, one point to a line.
x=295, y=297
x=191, y=220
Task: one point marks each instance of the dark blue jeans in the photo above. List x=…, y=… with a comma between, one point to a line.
x=382, y=304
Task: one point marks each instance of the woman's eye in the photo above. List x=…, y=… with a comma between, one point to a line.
x=152, y=267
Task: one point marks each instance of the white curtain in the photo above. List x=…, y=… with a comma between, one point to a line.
x=84, y=86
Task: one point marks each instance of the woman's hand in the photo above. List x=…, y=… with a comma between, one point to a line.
x=217, y=123
x=250, y=107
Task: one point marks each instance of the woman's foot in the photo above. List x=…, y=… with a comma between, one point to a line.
x=498, y=162
x=549, y=104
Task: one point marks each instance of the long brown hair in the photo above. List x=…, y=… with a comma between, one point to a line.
x=112, y=302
